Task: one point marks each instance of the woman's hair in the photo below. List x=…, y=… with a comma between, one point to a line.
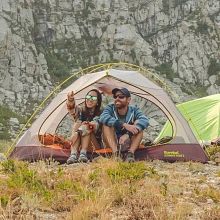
x=99, y=96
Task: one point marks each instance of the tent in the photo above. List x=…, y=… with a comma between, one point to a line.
x=183, y=145
x=203, y=116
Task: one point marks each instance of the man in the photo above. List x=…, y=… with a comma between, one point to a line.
x=123, y=124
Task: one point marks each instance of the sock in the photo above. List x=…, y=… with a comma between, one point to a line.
x=83, y=151
x=73, y=151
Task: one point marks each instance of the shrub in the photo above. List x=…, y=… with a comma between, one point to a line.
x=179, y=2
x=125, y=171
x=5, y=114
x=166, y=69
x=57, y=68
x=214, y=67
x=212, y=150
x=202, y=28
x=166, y=5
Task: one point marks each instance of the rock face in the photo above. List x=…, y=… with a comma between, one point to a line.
x=43, y=39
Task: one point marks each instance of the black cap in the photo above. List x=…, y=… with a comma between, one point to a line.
x=123, y=90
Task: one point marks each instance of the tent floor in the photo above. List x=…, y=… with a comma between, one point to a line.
x=168, y=152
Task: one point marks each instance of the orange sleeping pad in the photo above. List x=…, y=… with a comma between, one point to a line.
x=57, y=142
x=109, y=150
x=54, y=141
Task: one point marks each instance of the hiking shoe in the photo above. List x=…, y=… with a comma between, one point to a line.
x=83, y=158
x=129, y=157
x=117, y=156
x=72, y=159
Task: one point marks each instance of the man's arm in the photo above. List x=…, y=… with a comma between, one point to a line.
x=143, y=121
x=107, y=118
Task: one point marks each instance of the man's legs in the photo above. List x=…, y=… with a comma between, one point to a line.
x=135, y=142
x=109, y=137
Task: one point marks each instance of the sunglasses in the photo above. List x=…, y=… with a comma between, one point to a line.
x=120, y=96
x=94, y=98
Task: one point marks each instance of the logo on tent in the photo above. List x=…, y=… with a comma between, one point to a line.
x=172, y=154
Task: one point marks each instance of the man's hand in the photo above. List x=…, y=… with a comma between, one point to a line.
x=70, y=96
x=132, y=128
x=123, y=138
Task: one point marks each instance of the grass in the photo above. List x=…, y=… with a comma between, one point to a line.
x=106, y=189
x=102, y=190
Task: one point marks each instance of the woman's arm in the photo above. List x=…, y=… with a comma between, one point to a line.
x=73, y=109
x=88, y=127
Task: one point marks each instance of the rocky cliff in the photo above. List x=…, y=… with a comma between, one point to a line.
x=43, y=41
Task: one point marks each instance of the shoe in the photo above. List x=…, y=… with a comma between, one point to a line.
x=72, y=159
x=129, y=157
x=117, y=156
x=83, y=158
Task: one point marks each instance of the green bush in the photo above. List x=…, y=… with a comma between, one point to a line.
x=218, y=81
x=56, y=67
x=179, y=2
x=184, y=89
x=214, y=67
x=5, y=114
x=212, y=150
x=166, y=5
x=202, y=28
x=197, y=90
x=166, y=69
x=155, y=53
x=130, y=171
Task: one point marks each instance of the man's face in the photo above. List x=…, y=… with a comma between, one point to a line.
x=120, y=100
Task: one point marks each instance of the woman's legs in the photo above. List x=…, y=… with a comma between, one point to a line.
x=74, y=148
x=88, y=143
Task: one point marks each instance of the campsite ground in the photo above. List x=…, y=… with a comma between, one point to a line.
x=105, y=189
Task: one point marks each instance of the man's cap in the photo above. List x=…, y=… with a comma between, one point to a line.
x=123, y=90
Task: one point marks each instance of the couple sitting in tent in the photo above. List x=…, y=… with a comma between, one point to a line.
x=122, y=125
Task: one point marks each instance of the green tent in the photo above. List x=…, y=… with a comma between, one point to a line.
x=203, y=116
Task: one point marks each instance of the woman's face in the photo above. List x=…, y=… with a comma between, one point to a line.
x=91, y=99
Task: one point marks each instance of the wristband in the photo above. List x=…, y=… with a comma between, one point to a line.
x=129, y=134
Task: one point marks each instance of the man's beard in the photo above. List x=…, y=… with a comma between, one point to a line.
x=122, y=105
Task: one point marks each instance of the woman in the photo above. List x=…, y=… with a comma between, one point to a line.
x=86, y=133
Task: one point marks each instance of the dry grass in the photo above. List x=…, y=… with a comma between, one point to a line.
x=108, y=190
